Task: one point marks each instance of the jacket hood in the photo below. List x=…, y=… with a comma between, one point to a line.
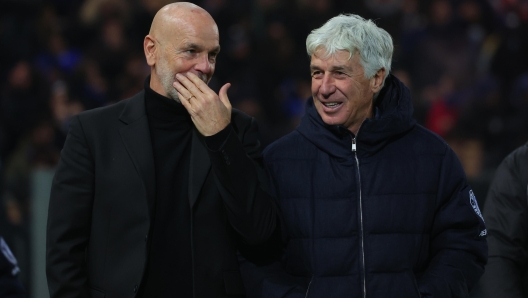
x=394, y=117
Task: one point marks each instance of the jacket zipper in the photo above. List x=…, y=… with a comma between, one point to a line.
x=308, y=289
x=360, y=211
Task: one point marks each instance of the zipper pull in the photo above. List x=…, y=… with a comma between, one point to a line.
x=354, y=145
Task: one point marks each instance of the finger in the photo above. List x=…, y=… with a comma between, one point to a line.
x=188, y=84
x=198, y=82
x=185, y=94
x=223, y=95
x=185, y=103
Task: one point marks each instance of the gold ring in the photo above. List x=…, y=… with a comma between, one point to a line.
x=189, y=99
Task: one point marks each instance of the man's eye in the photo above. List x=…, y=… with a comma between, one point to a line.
x=317, y=74
x=191, y=51
x=212, y=58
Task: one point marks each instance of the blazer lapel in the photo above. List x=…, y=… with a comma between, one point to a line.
x=136, y=138
x=199, y=167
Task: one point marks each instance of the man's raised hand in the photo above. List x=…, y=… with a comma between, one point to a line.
x=209, y=112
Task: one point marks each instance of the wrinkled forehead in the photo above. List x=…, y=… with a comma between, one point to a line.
x=321, y=53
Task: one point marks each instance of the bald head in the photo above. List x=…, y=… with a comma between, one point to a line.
x=183, y=38
x=175, y=15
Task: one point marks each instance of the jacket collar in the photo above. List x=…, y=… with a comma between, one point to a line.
x=394, y=117
x=134, y=109
x=136, y=138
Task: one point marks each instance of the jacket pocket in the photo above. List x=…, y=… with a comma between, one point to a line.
x=233, y=283
x=96, y=293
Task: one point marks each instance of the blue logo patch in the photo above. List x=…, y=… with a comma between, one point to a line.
x=474, y=204
x=4, y=249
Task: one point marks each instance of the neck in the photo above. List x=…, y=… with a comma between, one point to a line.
x=155, y=84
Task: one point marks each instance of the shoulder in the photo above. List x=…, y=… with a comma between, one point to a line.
x=106, y=116
x=102, y=124
x=518, y=156
x=101, y=113
x=517, y=162
x=423, y=141
x=290, y=146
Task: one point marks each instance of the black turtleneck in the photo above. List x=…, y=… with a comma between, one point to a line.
x=169, y=265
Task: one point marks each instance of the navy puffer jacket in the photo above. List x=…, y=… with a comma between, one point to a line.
x=393, y=218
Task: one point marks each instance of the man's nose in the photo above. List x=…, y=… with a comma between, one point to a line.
x=327, y=85
x=204, y=66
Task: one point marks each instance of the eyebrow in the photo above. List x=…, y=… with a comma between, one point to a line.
x=192, y=45
x=340, y=68
x=314, y=67
x=333, y=68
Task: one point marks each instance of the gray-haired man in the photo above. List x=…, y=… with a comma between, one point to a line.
x=373, y=204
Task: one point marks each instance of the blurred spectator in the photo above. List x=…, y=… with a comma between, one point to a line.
x=442, y=114
x=154, y=5
x=37, y=150
x=17, y=31
x=131, y=80
x=23, y=100
x=519, y=101
x=411, y=31
x=90, y=84
x=94, y=12
x=510, y=58
x=111, y=52
x=62, y=110
x=58, y=59
x=486, y=117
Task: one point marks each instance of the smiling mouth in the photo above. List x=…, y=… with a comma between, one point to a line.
x=332, y=104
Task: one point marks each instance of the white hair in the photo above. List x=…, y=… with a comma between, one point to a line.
x=353, y=33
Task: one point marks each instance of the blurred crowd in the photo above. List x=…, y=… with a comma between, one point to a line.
x=462, y=59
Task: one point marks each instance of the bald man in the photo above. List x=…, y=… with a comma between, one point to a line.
x=153, y=195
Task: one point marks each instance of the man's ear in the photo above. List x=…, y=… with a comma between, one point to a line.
x=376, y=82
x=149, y=46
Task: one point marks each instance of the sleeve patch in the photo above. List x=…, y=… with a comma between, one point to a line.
x=4, y=249
x=474, y=204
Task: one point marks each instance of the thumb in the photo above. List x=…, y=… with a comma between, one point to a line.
x=223, y=95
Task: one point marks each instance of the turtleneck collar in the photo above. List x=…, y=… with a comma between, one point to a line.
x=163, y=108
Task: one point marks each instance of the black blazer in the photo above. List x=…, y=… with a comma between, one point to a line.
x=99, y=219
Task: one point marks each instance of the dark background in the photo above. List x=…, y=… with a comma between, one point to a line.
x=465, y=62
